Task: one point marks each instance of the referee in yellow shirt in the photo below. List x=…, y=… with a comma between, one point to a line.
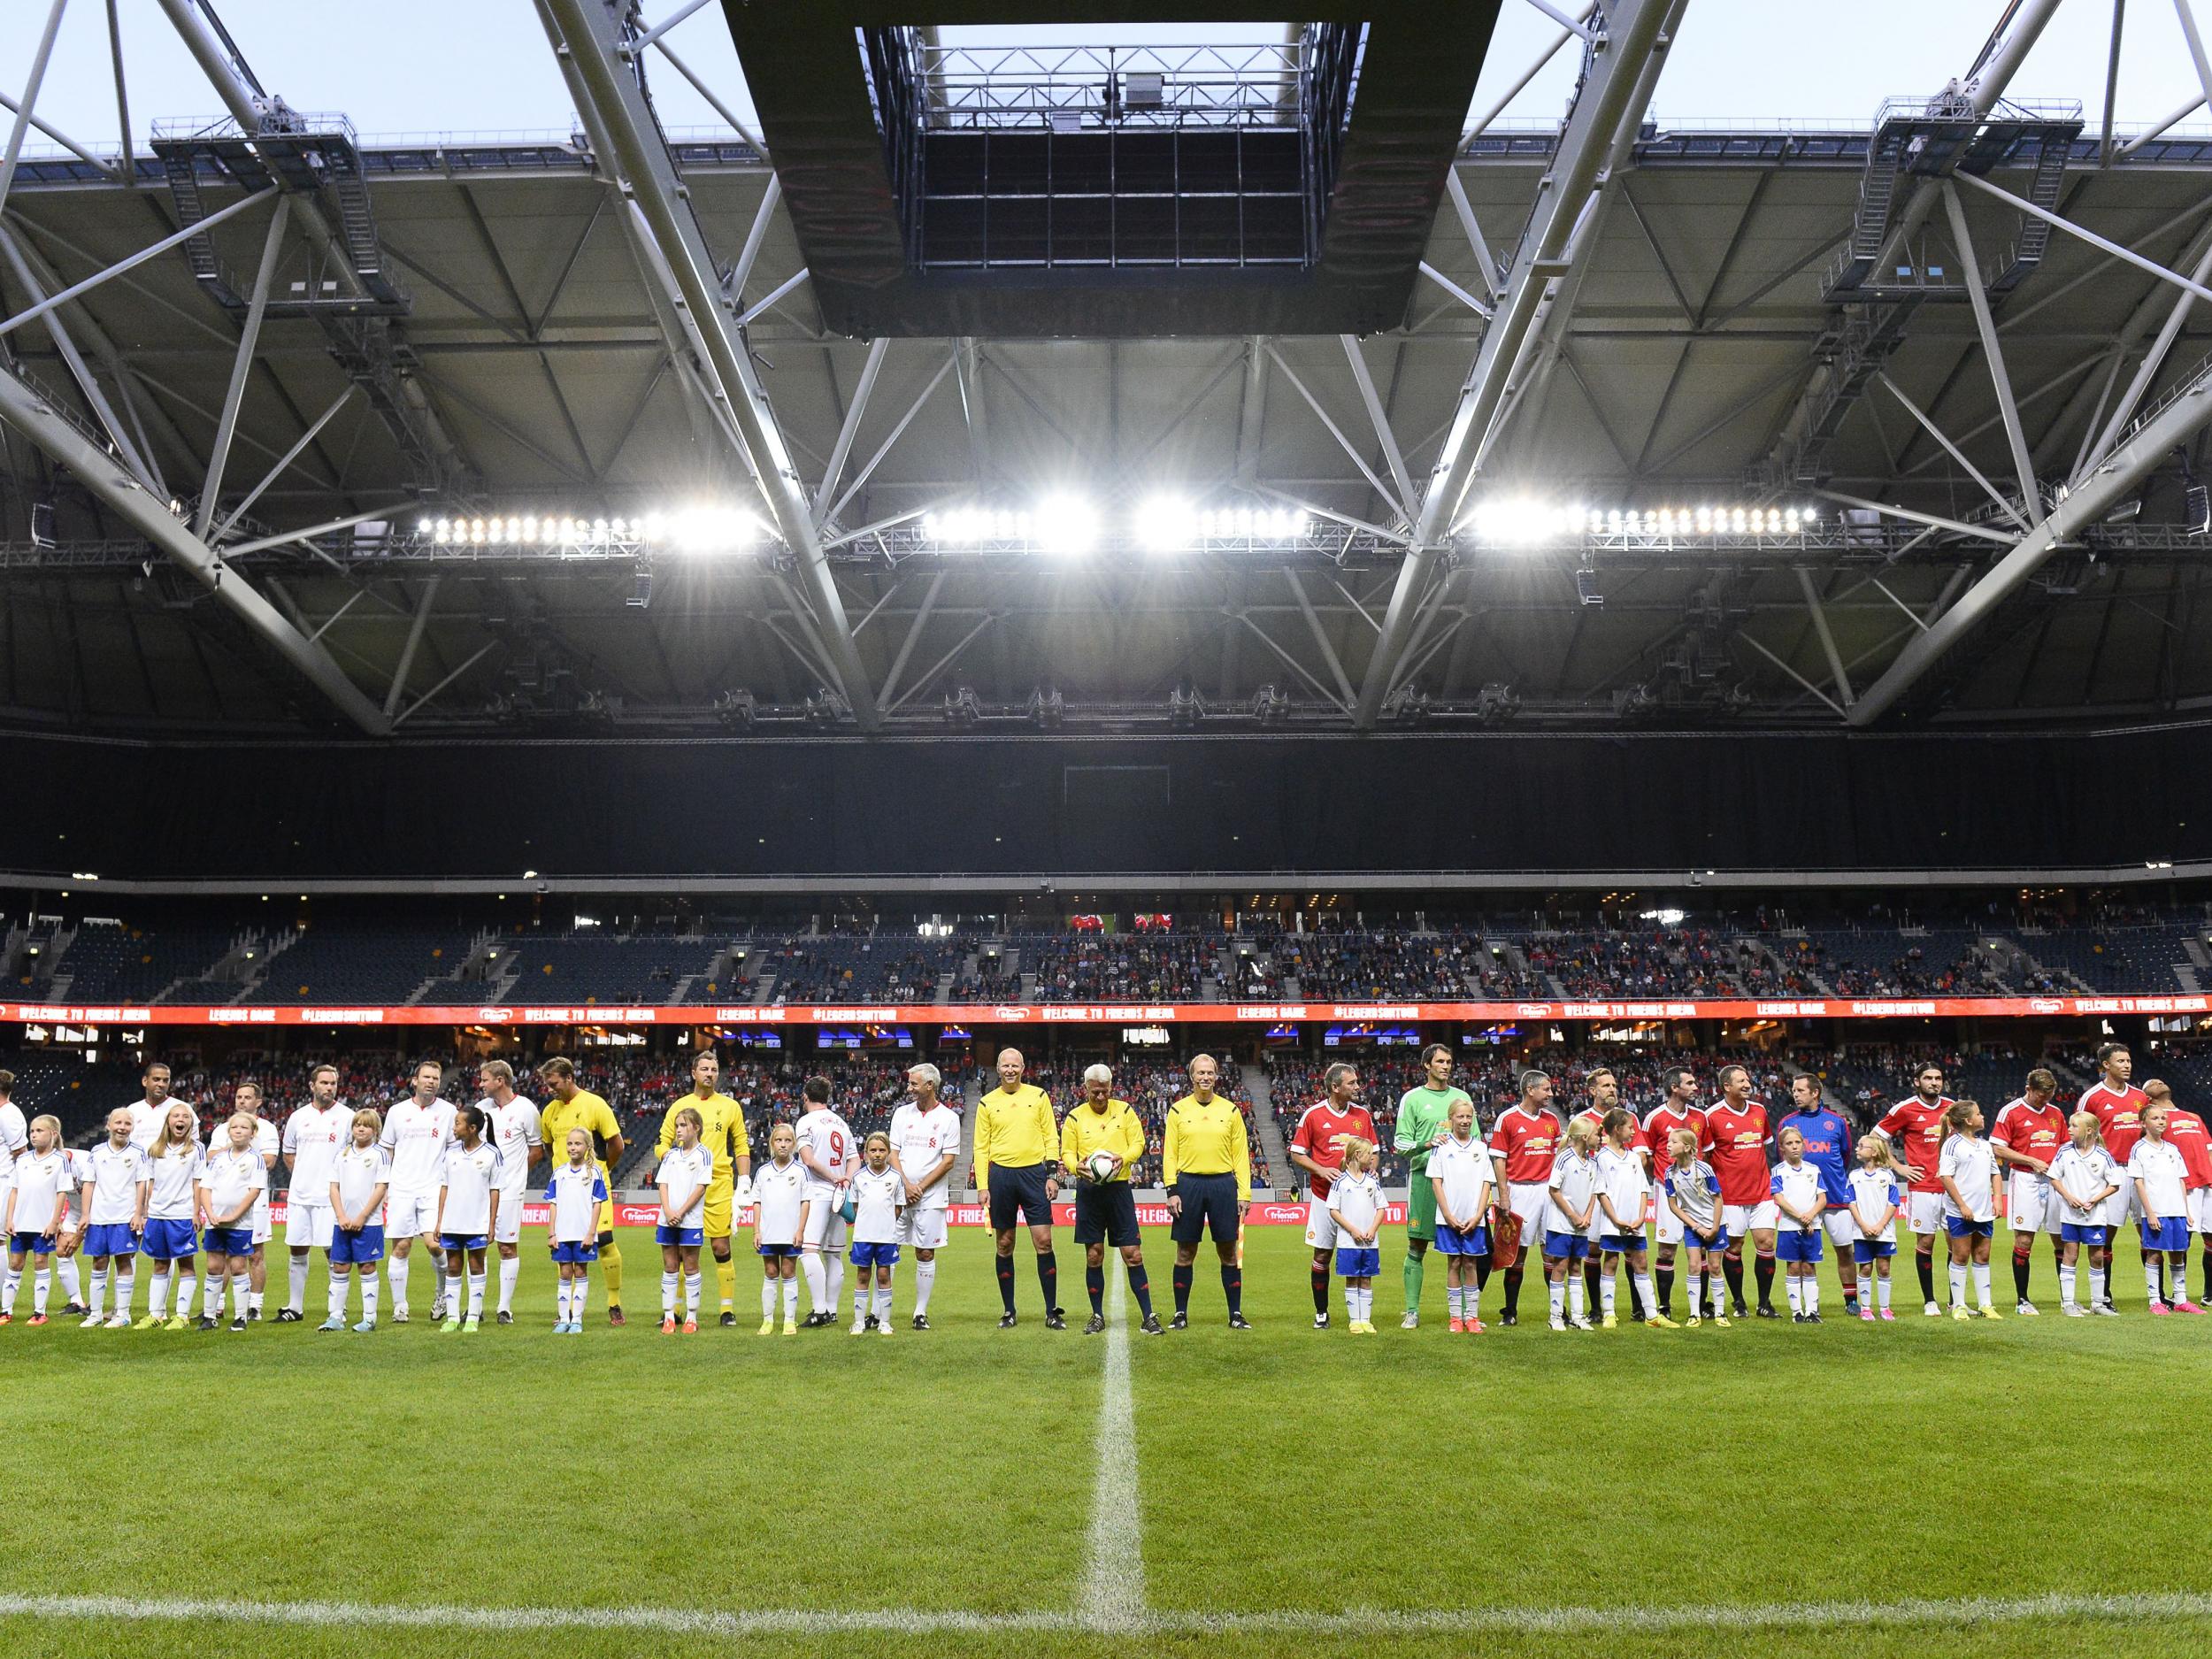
x=1206, y=1164
x=723, y=1134
x=1015, y=1132
x=1105, y=1208
x=567, y=1107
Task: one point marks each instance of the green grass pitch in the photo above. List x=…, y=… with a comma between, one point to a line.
x=1622, y=1475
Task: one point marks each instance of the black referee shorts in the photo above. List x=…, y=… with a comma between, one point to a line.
x=1106, y=1215
x=1020, y=1192
x=1210, y=1203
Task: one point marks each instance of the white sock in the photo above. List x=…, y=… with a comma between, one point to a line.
x=66, y=1270
x=860, y=1301
x=1958, y=1284
x=99, y=1289
x=1797, y=1299
x=1643, y=1289
x=580, y=1293
x=2097, y=1285
x=7, y=1288
x=156, y=1298
x=1578, y=1305
x=691, y=1295
x=476, y=1295
x=395, y=1272
x=790, y=1300
x=834, y=1265
x=883, y=1304
x=184, y=1291
x=211, y=1296
x=2150, y=1276
x=254, y=1300
x=510, y=1269
x=768, y=1297
x=368, y=1292
x=810, y=1268
x=1351, y=1303
x=1718, y=1285
x=924, y=1281
x=1881, y=1292
x=242, y=1299
x=1367, y=1303
x=41, y=1286
x=560, y=1302
x=669, y=1282
x=452, y=1292
x=1981, y=1283
x=296, y=1284
x=1607, y=1289
x=2066, y=1280
x=1812, y=1295
x=334, y=1304
x=125, y=1285
x=1558, y=1298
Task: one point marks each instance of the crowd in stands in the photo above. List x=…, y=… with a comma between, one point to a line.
x=1637, y=962
x=844, y=968
x=1156, y=967
x=1372, y=966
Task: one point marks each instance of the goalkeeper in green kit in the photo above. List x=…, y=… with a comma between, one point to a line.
x=1424, y=1118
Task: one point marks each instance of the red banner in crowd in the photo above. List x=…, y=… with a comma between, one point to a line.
x=1101, y=1013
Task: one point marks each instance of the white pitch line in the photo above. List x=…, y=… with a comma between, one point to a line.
x=1287, y=1621
x=1113, y=1576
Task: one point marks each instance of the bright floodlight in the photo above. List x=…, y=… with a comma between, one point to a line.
x=701, y=529
x=1521, y=522
x=1066, y=523
x=972, y=526
x=1166, y=523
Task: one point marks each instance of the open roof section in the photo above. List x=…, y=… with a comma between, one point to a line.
x=1084, y=200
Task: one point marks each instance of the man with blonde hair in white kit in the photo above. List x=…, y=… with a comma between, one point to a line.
x=511, y=1124
x=829, y=1157
x=417, y=1132
x=314, y=1135
x=925, y=1139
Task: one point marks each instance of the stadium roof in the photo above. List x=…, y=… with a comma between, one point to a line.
x=520, y=348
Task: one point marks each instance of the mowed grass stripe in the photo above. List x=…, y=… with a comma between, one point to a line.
x=1113, y=1583
x=1289, y=1621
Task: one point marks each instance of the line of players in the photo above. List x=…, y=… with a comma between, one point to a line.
x=1582, y=1188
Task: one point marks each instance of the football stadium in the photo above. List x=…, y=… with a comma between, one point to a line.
x=1128, y=828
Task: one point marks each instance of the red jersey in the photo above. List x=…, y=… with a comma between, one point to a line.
x=2037, y=1134
x=1916, y=1131
x=1529, y=1143
x=1660, y=1122
x=1595, y=1118
x=1318, y=1136
x=2119, y=1117
x=1739, y=1156
x=2186, y=1131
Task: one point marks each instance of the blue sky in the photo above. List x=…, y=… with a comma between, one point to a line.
x=436, y=65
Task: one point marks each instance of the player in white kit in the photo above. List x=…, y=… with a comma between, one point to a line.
x=829, y=1157
x=777, y=1185
x=925, y=1139
x=879, y=1191
x=513, y=1128
x=268, y=1145
x=113, y=1177
x=417, y=1132
x=314, y=1135
x=467, y=1213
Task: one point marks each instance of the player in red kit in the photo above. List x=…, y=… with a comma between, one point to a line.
x=1914, y=1129
x=1317, y=1147
x=1738, y=1124
x=1524, y=1145
x=2028, y=1135
x=1677, y=1111
x=2117, y=1105
x=2187, y=1133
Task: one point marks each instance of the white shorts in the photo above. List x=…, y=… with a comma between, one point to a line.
x=922, y=1226
x=1744, y=1218
x=1841, y=1229
x=2201, y=1209
x=1320, y=1225
x=1527, y=1200
x=1923, y=1214
x=264, y=1229
x=507, y=1225
x=823, y=1226
x=2030, y=1206
x=1666, y=1227
x=409, y=1214
x=2123, y=1206
x=307, y=1226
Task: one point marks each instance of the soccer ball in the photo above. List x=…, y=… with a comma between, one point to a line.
x=1100, y=1166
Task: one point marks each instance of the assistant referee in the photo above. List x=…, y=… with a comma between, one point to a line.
x=1015, y=1132
x=1206, y=1164
x=1105, y=1207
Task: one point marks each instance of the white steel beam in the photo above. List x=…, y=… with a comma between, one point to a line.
x=29, y=413
x=241, y=367
x=1605, y=105
x=592, y=32
x=1993, y=350
x=40, y=57
x=2187, y=412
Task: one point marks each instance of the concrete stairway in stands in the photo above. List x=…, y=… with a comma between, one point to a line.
x=1268, y=1132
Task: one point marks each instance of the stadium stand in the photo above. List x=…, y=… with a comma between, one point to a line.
x=106, y=962
x=588, y=967
x=358, y=962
